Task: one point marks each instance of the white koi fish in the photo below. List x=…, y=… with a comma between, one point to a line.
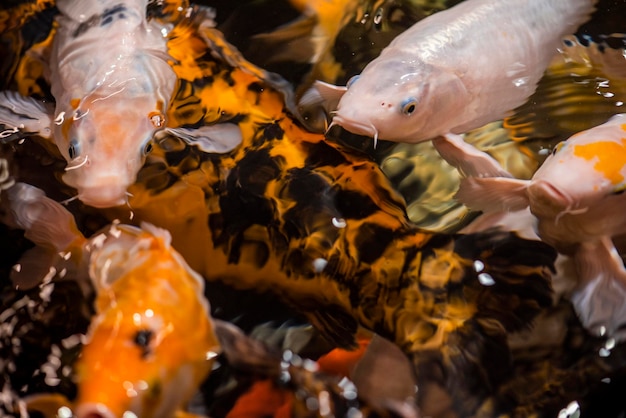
x=454, y=71
x=577, y=199
x=152, y=340
x=112, y=83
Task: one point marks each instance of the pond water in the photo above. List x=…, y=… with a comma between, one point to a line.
x=315, y=244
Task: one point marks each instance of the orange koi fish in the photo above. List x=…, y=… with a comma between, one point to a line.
x=152, y=341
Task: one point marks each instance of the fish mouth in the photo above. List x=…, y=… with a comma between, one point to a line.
x=356, y=127
x=547, y=199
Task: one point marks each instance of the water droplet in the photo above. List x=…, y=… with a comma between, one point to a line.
x=339, y=222
x=478, y=266
x=570, y=411
x=604, y=352
x=618, y=104
x=606, y=380
x=129, y=414
x=319, y=264
x=64, y=412
x=519, y=82
x=486, y=280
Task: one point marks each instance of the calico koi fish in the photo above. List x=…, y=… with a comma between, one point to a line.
x=427, y=84
x=112, y=83
x=152, y=340
x=577, y=198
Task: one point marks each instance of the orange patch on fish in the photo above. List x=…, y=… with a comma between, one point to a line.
x=611, y=157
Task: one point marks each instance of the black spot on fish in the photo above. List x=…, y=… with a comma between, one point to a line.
x=142, y=339
x=321, y=154
x=354, y=205
x=114, y=13
x=372, y=240
x=273, y=131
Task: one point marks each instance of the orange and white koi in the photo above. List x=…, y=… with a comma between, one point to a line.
x=577, y=199
x=454, y=71
x=152, y=340
x=112, y=82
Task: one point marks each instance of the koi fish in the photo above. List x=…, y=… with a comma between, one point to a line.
x=427, y=84
x=112, y=83
x=577, y=198
x=152, y=340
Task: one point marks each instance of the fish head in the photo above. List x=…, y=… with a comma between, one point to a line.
x=152, y=341
x=399, y=100
x=582, y=172
x=105, y=140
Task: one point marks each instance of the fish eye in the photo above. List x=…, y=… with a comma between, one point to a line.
x=557, y=147
x=409, y=106
x=74, y=149
x=142, y=339
x=352, y=80
x=147, y=149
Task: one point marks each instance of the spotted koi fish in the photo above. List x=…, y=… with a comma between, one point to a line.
x=146, y=350
x=320, y=225
x=576, y=197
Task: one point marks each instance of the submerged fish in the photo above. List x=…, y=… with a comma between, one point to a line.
x=151, y=341
x=427, y=84
x=578, y=200
x=112, y=82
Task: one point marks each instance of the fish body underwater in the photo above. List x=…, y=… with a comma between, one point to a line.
x=577, y=198
x=454, y=71
x=110, y=77
x=152, y=340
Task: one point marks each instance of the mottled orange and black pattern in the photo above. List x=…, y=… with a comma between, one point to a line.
x=320, y=225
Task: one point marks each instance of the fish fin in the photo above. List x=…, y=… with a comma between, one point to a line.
x=47, y=404
x=292, y=42
x=493, y=194
x=322, y=94
x=336, y=326
x=317, y=104
x=23, y=115
x=37, y=265
x=219, y=138
x=45, y=222
x=469, y=160
x=600, y=299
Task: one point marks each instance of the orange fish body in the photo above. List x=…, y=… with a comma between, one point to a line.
x=151, y=342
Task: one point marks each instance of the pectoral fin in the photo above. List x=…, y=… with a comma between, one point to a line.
x=493, y=194
x=469, y=160
x=23, y=115
x=45, y=221
x=600, y=300
x=219, y=138
x=317, y=103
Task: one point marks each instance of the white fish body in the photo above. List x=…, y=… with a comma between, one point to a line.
x=454, y=71
x=112, y=83
x=578, y=199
